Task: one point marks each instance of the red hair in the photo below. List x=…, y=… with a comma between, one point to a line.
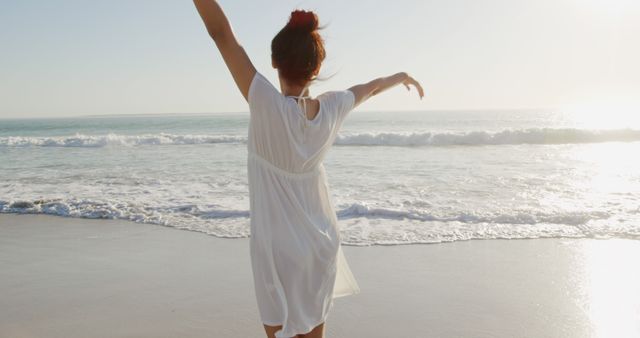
x=298, y=50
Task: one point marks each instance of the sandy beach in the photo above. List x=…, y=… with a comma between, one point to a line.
x=69, y=277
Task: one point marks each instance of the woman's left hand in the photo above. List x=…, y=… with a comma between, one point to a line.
x=409, y=81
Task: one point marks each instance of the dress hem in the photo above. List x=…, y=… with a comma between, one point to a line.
x=323, y=320
x=295, y=334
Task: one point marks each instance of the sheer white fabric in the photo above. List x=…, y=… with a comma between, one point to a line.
x=297, y=262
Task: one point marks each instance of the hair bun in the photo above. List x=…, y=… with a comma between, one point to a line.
x=304, y=20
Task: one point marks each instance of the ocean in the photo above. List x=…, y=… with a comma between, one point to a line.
x=395, y=177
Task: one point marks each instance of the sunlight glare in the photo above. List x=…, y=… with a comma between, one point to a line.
x=613, y=289
x=608, y=9
x=605, y=114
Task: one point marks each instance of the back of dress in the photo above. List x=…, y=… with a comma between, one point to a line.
x=279, y=133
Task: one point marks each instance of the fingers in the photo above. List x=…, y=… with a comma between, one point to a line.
x=420, y=90
x=412, y=82
x=418, y=87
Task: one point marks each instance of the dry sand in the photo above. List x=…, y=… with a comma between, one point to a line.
x=65, y=277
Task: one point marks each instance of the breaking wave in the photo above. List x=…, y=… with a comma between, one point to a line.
x=357, y=221
x=510, y=137
x=97, y=141
x=415, y=139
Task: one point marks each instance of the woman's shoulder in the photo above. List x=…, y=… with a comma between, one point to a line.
x=336, y=93
x=263, y=94
x=338, y=99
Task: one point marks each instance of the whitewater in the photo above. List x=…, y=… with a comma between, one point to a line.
x=505, y=137
x=396, y=177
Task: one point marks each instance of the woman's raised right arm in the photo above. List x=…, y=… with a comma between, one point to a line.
x=232, y=52
x=366, y=90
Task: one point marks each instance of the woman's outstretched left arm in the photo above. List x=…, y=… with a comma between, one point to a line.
x=232, y=52
x=364, y=91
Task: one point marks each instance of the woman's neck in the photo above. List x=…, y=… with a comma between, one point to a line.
x=292, y=90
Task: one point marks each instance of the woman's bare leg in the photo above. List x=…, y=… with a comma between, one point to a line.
x=271, y=330
x=317, y=332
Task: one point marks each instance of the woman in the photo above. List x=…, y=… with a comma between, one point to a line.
x=298, y=266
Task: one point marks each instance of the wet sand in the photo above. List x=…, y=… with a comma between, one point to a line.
x=67, y=277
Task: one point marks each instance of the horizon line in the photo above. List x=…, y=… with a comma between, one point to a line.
x=247, y=112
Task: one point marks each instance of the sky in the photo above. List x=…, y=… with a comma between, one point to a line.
x=77, y=57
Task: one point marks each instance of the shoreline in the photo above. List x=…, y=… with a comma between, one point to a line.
x=76, y=277
x=344, y=244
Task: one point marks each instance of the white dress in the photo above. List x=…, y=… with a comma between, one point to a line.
x=298, y=265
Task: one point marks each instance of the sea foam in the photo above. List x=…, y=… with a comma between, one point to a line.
x=413, y=139
x=505, y=137
x=96, y=141
x=383, y=226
